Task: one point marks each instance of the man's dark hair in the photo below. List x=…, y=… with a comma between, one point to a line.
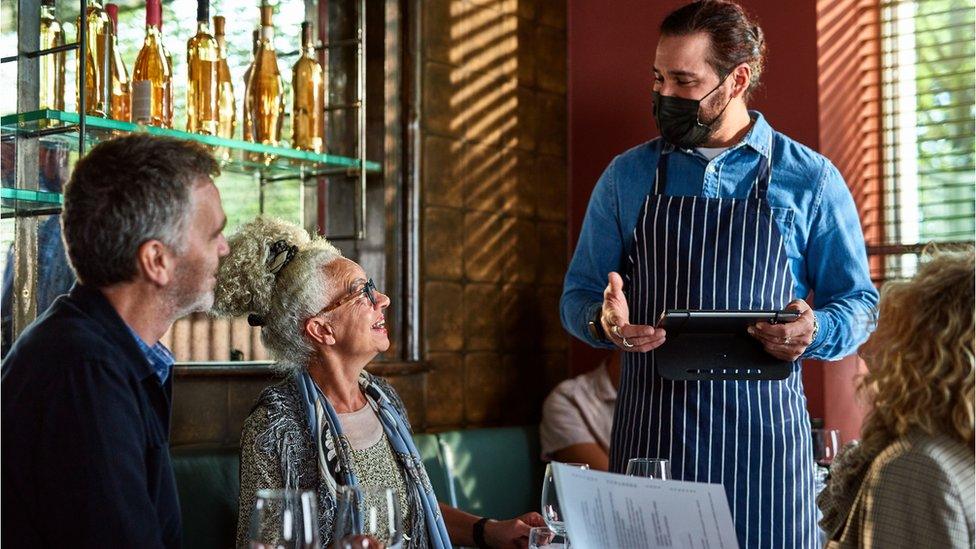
x=123, y=193
x=735, y=37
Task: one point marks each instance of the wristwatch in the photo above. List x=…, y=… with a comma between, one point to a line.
x=596, y=327
x=478, y=533
x=816, y=329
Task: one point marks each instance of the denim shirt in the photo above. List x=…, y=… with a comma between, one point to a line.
x=811, y=204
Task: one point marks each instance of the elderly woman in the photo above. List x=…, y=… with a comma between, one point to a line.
x=330, y=423
x=910, y=482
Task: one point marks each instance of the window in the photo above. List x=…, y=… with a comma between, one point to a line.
x=928, y=109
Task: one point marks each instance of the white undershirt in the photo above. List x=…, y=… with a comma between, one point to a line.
x=362, y=427
x=711, y=152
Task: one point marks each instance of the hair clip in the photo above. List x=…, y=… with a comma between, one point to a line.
x=255, y=319
x=280, y=254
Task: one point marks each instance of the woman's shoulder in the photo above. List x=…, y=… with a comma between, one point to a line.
x=277, y=408
x=922, y=453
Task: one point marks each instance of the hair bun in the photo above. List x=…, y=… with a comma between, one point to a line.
x=258, y=251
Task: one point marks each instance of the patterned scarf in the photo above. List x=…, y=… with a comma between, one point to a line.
x=335, y=461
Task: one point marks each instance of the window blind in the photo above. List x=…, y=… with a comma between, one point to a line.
x=928, y=108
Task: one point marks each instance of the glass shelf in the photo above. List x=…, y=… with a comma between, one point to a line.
x=22, y=202
x=238, y=156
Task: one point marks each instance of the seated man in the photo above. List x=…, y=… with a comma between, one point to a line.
x=87, y=388
x=578, y=415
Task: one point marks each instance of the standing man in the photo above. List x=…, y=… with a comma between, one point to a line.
x=87, y=388
x=722, y=212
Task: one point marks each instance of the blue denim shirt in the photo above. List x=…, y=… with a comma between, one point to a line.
x=811, y=204
x=159, y=357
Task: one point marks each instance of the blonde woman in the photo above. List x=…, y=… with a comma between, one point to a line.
x=330, y=423
x=910, y=482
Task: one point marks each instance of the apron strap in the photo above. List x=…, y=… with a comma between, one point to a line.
x=765, y=171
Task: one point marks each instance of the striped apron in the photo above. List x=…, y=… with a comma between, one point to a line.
x=753, y=437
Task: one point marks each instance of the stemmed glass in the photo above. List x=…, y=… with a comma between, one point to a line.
x=284, y=519
x=550, y=502
x=367, y=517
x=649, y=468
x=826, y=444
x=541, y=537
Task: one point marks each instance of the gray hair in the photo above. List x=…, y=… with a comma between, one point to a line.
x=125, y=192
x=283, y=300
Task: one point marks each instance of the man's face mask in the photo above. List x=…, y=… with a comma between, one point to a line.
x=677, y=118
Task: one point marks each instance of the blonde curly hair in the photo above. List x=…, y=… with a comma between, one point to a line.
x=246, y=285
x=920, y=360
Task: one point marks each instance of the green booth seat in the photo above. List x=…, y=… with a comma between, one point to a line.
x=430, y=453
x=208, y=481
x=492, y=472
x=495, y=472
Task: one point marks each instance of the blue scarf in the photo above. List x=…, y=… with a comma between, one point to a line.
x=335, y=463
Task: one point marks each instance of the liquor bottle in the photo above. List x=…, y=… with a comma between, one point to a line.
x=226, y=104
x=51, y=92
x=98, y=58
x=255, y=40
x=121, y=93
x=169, y=63
x=201, y=88
x=264, y=97
x=308, y=91
x=151, y=76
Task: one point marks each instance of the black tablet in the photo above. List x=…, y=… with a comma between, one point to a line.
x=714, y=345
x=720, y=322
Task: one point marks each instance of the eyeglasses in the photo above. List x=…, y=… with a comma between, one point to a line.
x=368, y=290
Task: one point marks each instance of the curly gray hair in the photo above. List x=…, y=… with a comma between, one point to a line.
x=248, y=285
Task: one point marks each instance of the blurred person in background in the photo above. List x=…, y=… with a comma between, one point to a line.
x=910, y=481
x=578, y=414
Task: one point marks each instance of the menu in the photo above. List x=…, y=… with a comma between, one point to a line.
x=609, y=510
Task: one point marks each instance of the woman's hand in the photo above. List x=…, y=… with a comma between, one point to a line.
x=505, y=534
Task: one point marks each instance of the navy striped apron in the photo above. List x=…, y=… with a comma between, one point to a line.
x=753, y=437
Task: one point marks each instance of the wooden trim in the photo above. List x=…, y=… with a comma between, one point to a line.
x=263, y=369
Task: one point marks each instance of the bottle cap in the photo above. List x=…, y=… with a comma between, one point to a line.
x=113, y=13
x=203, y=11
x=218, y=22
x=267, y=10
x=154, y=13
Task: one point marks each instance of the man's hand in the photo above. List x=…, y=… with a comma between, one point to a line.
x=615, y=318
x=787, y=341
x=513, y=533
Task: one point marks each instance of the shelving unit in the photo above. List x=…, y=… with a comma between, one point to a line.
x=30, y=127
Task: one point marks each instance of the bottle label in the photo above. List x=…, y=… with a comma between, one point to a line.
x=267, y=33
x=142, y=101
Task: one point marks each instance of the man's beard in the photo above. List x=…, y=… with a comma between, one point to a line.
x=191, y=291
x=713, y=111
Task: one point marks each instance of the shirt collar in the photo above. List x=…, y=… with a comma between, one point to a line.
x=159, y=357
x=757, y=138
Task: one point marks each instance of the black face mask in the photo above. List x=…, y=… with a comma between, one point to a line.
x=677, y=119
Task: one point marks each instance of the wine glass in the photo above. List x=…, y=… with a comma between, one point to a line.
x=826, y=443
x=649, y=468
x=550, y=501
x=367, y=517
x=541, y=537
x=284, y=519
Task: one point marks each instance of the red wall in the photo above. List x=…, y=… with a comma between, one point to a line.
x=611, y=53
